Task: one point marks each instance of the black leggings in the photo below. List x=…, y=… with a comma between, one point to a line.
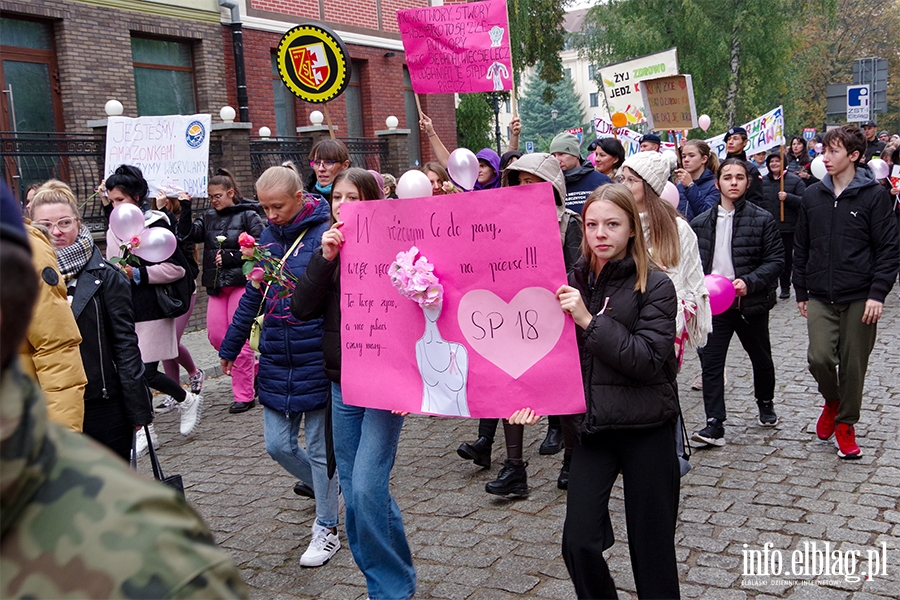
x=162, y=382
x=106, y=422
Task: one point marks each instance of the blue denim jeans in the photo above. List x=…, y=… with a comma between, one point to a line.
x=306, y=465
x=365, y=445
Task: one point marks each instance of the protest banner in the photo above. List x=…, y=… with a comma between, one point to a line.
x=669, y=102
x=630, y=139
x=498, y=342
x=621, y=86
x=577, y=132
x=171, y=151
x=459, y=48
x=763, y=133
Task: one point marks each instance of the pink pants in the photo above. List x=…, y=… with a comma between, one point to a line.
x=219, y=313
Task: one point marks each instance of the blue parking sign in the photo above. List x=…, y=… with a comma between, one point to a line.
x=529, y=147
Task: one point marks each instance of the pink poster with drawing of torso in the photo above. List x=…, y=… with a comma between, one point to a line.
x=493, y=341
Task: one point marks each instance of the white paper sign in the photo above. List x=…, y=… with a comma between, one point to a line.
x=620, y=82
x=763, y=133
x=172, y=151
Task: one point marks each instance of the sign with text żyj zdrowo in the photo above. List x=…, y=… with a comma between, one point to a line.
x=621, y=82
x=498, y=341
x=669, y=102
x=763, y=133
x=458, y=48
x=171, y=151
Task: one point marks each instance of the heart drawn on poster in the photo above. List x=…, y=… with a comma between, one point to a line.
x=513, y=336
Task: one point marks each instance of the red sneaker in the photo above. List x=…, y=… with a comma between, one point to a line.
x=845, y=440
x=825, y=424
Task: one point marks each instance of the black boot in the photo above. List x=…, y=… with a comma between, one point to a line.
x=479, y=452
x=553, y=443
x=512, y=480
x=562, y=482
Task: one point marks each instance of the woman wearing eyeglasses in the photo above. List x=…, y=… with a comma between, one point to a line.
x=116, y=399
x=327, y=158
x=219, y=228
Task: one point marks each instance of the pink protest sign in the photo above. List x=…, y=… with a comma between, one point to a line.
x=496, y=339
x=459, y=48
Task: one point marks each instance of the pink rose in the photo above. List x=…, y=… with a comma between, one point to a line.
x=135, y=241
x=245, y=240
x=248, y=251
x=256, y=276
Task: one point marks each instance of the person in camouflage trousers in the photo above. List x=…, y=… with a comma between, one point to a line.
x=76, y=521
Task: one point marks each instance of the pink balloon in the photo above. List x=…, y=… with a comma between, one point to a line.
x=157, y=244
x=126, y=221
x=463, y=168
x=670, y=194
x=879, y=168
x=721, y=293
x=413, y=184
x=704, y=122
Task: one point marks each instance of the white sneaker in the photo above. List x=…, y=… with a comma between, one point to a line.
x=190, y=412
x=166, y=404
x=141, y=445
x=322, y=547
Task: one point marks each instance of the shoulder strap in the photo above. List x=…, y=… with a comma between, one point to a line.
x=280, y=267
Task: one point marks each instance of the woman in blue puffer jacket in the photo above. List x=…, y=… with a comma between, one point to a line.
x=696, y=180
x=292, y=381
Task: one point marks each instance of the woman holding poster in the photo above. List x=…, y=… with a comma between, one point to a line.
x=625, y=312
x=365, y=439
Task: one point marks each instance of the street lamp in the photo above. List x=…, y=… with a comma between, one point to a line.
x=553, y=114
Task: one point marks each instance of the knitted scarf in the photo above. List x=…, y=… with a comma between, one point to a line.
x=72, y=259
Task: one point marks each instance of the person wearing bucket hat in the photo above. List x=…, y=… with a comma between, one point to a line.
x=581, y=178
x=531, y=168
x=735, y=142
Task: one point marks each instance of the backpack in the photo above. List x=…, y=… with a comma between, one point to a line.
x=174, y=298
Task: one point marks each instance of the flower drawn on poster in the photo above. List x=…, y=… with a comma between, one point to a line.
x=443, y=365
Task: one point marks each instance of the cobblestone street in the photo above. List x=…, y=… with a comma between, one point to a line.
x=766, y=485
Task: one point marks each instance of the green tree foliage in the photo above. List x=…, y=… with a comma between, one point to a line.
x=537, y=37
x=474, y=121
x=537, y=122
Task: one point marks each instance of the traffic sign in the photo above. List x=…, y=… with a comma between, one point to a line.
x=858, y=103
x=529, y=147
x=809, y=133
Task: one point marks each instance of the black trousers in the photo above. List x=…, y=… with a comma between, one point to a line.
x=650, y=476
x=106, y=422
x=753, y=332
x=162, y=382
x=787, y=237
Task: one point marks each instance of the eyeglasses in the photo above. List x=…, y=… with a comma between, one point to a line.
x=315, y=164
x=64, y=224
x=629, y=181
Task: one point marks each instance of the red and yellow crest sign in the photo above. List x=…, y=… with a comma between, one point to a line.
x=313, y=63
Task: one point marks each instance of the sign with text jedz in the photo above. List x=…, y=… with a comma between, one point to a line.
x=669, y=102
x=172, y=151
x=621, y=83
x=458, y=48
x=496, y=343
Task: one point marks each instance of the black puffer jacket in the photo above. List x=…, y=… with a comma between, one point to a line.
x=318, y=294
x=755, y=189
x=628, y=357
x=756, y=252
x=845, y=249
x=109, y=348
x=794, y=188
x=231, y=222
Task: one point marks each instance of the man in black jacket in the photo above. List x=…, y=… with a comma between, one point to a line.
x=735, y=142
x=874, y=146
x=738, y=240
x=773, y=201
x=845, y=261
x=581, y=178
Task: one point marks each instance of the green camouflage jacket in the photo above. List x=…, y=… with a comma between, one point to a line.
x=76, y=522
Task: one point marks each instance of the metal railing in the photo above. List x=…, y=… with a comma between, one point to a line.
x=367, y=153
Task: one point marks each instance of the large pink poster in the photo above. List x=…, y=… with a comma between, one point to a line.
x=498, y=341
x=459, y=48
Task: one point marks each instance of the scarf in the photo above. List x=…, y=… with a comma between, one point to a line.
x=324, y=190
x=72, y=259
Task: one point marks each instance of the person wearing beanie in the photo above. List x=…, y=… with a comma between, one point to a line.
x=581, y=178
x=790, y=199
x=488, y=170
x=650, y=143
x=50, y=353
x=735, y=142
x=531, y=168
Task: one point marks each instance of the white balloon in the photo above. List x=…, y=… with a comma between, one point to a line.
x=704, y=122
x=463, y=167
x=817, y=166
x=157, y=244
x=414, y=184
x=670, y=194
x=879, y=168
x=126, y=221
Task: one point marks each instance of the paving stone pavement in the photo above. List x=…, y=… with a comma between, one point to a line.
x=778, y=485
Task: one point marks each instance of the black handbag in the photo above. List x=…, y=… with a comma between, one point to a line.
x=173, y=481
x=169, y=304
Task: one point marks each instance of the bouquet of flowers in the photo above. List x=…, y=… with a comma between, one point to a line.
x=261, y=267
x=415, y=279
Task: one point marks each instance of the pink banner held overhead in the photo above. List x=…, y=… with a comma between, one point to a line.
x=459, y=48
x=477, y=330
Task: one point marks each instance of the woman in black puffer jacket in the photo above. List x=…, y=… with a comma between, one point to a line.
x=219, y=229
x=625, y=312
